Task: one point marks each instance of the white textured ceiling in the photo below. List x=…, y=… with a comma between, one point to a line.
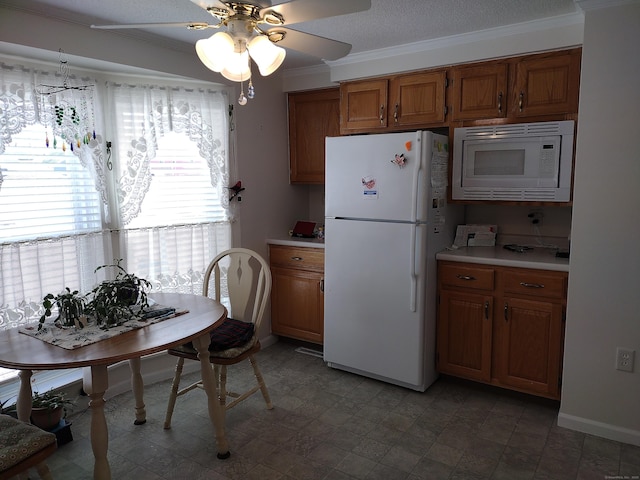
x=388, y=23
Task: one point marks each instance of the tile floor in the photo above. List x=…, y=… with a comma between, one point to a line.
x=333, y=425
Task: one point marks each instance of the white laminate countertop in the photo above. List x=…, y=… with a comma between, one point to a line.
x=297, y=242
x=538, y=258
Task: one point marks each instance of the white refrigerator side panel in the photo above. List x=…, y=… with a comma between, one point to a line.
x=362, y=180
x=370, y=327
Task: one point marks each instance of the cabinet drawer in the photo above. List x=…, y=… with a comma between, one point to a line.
x=454, y=275
x=297, y=257
x=535, y=283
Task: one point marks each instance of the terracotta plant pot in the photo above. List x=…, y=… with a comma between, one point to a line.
x=46, y=418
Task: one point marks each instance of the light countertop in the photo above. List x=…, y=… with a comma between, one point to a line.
x=297, y=242
x=538, y=258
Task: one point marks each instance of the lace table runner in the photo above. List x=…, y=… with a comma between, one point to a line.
x=71, y=338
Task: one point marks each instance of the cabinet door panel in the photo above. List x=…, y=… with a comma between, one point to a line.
x=479, y=92
x=363, y=105
x=464, y=335
x=417, y=99
x=547, y=84
x=529, y=355
x=297, y=306
x=312, y=117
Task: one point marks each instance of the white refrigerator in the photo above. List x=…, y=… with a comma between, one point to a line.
x=386, y=217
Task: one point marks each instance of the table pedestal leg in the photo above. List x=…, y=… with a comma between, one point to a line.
x=95, y=382
x=137, y=385
x=210, y=384
x=25, y=398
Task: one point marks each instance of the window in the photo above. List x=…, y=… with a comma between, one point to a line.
x=155, y=198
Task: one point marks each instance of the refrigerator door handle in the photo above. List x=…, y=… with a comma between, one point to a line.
x=417, y=166
x=414, y=275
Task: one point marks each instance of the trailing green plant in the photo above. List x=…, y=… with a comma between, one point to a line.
x=116, y=301
x=71, y=307
x=50, y=400
x=111, y=302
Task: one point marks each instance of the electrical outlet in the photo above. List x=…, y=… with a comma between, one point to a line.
x=535, y=217
x=624, y=359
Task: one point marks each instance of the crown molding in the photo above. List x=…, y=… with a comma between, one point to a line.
x=588, y=5
x=437, y=43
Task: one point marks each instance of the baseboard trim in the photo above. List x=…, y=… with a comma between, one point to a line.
x=600, y=429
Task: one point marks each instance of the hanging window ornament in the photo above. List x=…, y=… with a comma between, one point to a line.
x=65, y=109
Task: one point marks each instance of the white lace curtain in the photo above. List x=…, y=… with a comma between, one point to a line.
x=21, y=105
x=172, y=256
x=143, y=114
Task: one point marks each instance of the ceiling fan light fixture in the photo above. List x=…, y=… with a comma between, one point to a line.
x=215, y=52
x=267, y=56
x=237, y=67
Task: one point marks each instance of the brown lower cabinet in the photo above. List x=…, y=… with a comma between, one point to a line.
x=297, y=293
x=502, y=326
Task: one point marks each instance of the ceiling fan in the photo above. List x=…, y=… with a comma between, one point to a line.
x=257, y=30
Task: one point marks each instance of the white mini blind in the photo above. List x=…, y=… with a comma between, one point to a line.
x=45, y=192
x=180, y=190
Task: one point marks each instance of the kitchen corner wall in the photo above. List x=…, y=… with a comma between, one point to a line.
x=604, y=281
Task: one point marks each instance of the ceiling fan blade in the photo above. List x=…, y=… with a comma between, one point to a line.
x=314, y=45
x=193, y=25
x=221, y=4
x=297, y=11
x=210, y=3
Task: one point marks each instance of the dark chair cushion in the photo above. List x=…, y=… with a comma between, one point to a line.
x=230, y=334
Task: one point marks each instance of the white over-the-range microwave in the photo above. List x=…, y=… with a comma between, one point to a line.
x=526, y=162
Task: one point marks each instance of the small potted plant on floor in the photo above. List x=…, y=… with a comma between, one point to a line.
x=48, y=408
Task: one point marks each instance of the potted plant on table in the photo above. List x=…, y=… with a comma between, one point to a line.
x=71, y=306
x=113, y=302
x=110, y=303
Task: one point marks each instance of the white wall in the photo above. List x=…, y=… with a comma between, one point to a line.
x=604, y=283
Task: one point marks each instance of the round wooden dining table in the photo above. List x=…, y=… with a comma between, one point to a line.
x=26, y=353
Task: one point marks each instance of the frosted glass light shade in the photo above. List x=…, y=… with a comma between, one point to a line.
x=237, y=67
x=267, y=56
x=215, y=51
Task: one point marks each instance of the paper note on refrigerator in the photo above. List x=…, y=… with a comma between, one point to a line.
x=439, y=168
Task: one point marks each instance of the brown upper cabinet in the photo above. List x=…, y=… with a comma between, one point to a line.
x=546, y=84
x=528, y=87
x=313, y=115
x=479, y=91
x=363, y=106
x=399, y=102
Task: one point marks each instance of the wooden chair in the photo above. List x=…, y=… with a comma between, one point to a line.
x=24, y=446
x=241, y=282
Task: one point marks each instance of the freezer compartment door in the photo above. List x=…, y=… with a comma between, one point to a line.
x=364, y=179
x=374, y=299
